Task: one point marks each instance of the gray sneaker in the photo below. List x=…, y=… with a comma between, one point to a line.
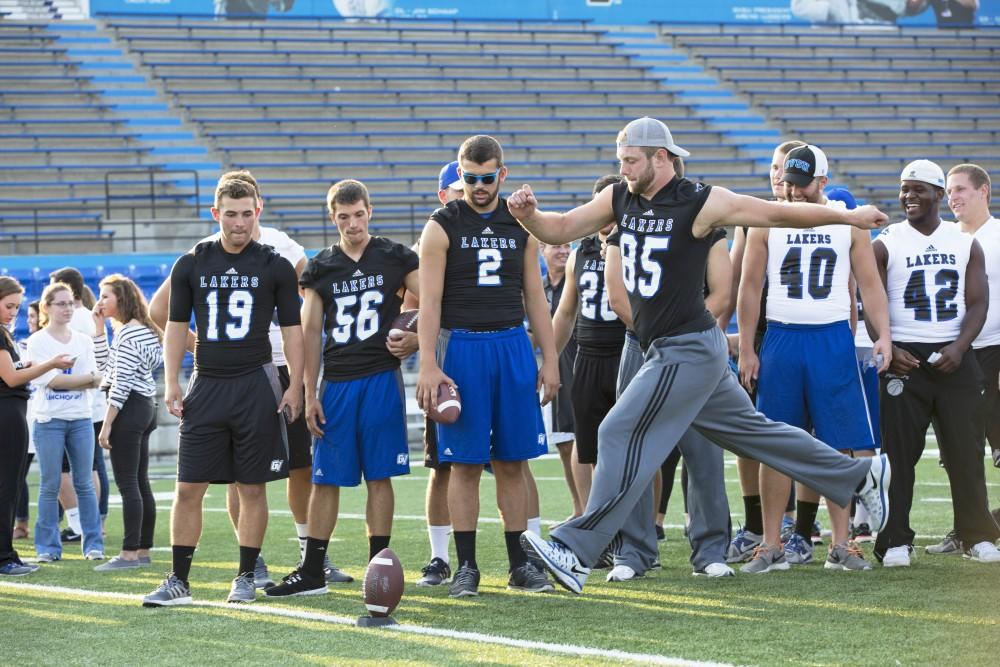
x=118, y=563
x=465, y=583
x=262, y=578
x=334, y=575
x=171, y=592
x=243, y=589
x=766, y=559
x=949, y=546
x=743, y=545
x=12, y=569
x=848, y=557
x=145, y=561
x=530, y=579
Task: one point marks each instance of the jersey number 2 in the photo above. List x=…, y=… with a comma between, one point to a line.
x=489, y=267
x=240, y=308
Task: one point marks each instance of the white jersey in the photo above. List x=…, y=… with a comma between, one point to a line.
x=282, y=244
x=989, y=238
x=808, y=272
x=83, y=321
x=925, y=282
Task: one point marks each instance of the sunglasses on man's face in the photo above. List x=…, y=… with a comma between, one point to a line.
x=485, y=179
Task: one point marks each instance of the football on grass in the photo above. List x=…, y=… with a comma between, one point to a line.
x=406, y=321
x=449, y=405
x=383, y=583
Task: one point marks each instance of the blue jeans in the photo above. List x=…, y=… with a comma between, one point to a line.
x=76, y=438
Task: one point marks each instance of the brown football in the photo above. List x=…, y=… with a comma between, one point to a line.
x=383, y=587
x=449, y=405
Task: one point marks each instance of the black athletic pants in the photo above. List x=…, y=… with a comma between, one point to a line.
x=13, y=454
x=989, y=361
x=907, y=406
x=130, y=462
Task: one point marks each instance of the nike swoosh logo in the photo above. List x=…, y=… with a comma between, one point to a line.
x=576, y=570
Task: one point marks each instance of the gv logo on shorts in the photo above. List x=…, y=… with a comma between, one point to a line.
x=276, y=465
x=401, y=459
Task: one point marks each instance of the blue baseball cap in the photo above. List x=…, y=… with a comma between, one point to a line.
x=842, y=194
x=449, y=178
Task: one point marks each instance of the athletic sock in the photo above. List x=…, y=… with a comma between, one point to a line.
x=182, y=561
x=376, y=543
x=753, y=519
x=465, y=548
x=805, y=516
x=302, y=530
x=515, y=553
x=248, y=559
x=312, y=561
x=73, y=519
x=439, y=541
x=535, y=525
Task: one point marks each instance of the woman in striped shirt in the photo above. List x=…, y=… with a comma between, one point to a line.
x=131, y=413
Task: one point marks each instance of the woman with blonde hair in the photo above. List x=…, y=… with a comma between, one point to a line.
x=63, y=424
x=130, y=418
x=15, y=374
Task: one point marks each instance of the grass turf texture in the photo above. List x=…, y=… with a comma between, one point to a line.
x=943, y=609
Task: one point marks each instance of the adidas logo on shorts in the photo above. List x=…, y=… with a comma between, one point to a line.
x=447, y=451
x=318, y=473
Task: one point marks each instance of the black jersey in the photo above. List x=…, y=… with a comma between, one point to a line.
x=598, y=329
x=233, y=298
x=360, y=301
x=661, y=258
x=21, y=391
x=484, y=276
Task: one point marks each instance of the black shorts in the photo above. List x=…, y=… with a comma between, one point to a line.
x=299, y=437
x=593, y=395
x=231, y=430
x=431, y=459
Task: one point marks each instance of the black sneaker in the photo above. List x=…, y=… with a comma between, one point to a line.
x=606, y=561
x=297, y=583
x=465, y=583
x=435, y=573
x=170, y=593
x=67, y=535
x=530, y=579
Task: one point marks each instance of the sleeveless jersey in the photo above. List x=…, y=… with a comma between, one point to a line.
x=360, y=301
x=484, y=275
x=234, y=297
x=989, y=238
x=663, y=264
x=598, y=329
x=925, y=281
x=808, y=271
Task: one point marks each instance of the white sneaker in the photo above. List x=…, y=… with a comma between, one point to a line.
x=896, y=557
x=94, y=554
x=715, y=570
x=874, y=495
x=558, y=559
x=621, y=573
x=984, y=552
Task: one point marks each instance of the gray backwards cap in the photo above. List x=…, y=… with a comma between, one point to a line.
x=648, y=132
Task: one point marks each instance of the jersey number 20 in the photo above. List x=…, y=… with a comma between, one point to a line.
x=240, y=309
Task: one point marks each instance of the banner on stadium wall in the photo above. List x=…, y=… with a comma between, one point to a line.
x=885, y=12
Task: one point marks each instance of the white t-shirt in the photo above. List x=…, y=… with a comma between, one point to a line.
x=83, y=322
x=67, y=404
x=989, y=238
x=282, y=244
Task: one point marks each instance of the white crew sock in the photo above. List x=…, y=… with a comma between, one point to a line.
x=535, y=525
x=439, y=541
x=302, y=530
x=73, y=519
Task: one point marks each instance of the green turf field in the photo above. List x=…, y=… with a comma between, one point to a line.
x=942, y=610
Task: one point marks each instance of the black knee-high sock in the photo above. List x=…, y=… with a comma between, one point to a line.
x=465, y=548
x=182, y=561
x=753, y=518
x=805, y=515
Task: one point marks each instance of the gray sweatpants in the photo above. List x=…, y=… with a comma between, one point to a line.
x=684, y=383
x=709, y=532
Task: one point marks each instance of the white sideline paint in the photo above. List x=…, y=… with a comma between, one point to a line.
x=564, y=649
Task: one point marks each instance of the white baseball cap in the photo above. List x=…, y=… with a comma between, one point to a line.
x=648, y=132
x=924, y=171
